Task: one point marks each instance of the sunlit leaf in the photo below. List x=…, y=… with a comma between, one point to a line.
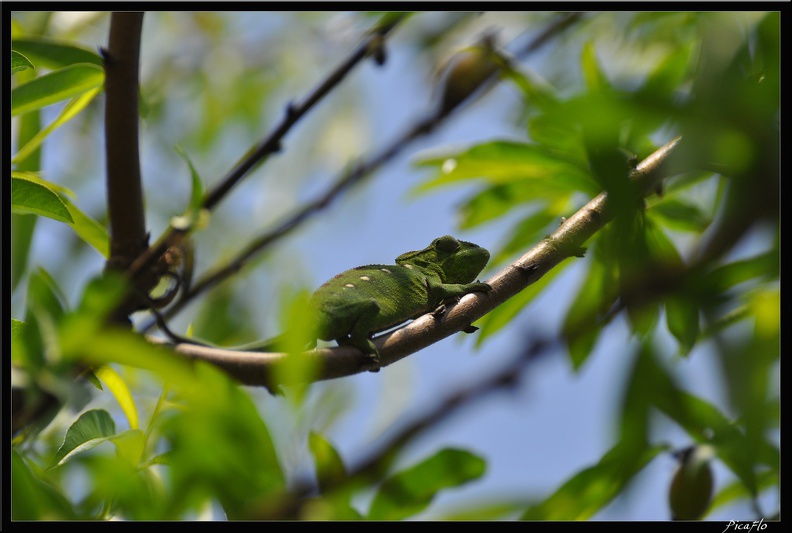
x=412, y=490
x=55, y=87
x=17, y=327
x=118, y=387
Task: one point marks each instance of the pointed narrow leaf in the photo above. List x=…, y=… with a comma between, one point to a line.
x=29, y=197
x=593, y=488
x=327, y=461
x=69, y=111
x=90, y=429
x=55, y=54
x=88, y=229
x=682, y=318
x=55, y=87
x=412, y=490
x=120, y=391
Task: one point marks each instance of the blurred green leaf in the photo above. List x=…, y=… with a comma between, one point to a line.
x=33, y=498
x=29, y=197
x=54, y=87
x=89, y=430
x=668, y=74
x=596, y=80
x=88, y=229
x=682, y=318
x=19, y=62
x=410, y=491
x=596, y=295
x=725, y=277
x=591, y=489
x=17, y=327
x=736, y=490
x=68, y=112
x=528, y=231
x=327, y=462
x=55, y=54
x=503, y=315
x=680, y=215
x=216, y=421
x=118, y=387
x=499, y=162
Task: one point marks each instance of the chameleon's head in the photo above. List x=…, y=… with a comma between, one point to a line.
x=454, y=261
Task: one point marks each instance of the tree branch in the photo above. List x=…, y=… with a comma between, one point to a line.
x=347, y=179
x=255, y=368
x=128, y=237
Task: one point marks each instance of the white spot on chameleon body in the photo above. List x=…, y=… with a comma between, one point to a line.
x=408, y=266
x=365, y=278
x=385, y=270
x=349, y=285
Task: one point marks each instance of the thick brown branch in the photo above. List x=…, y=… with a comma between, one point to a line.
x=124, y=192
x=128, y=236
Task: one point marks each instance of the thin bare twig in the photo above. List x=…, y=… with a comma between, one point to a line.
x=371, y=46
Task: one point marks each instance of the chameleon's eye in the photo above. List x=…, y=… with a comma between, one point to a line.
x=446, y=244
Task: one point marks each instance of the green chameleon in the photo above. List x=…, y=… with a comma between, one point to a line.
x=360, y=302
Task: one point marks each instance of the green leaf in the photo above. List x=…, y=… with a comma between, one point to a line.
x=596, y=295
x=763, y=266
x=327, y=461
x=498, y=162
x=55, y=54
x=118, y=387
x=680, y=215
x=19, y=62
x=669, y=74
x=29, y=197
x=596, y=80
x=503, y=315
x=55, y=87
x=682, y=318
x=411, y=491
x=593, y=488
x=89, y=430
x=88, y=229
x=33, y=498
x=736, y=490
x=69, y=111
x=17, y=327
